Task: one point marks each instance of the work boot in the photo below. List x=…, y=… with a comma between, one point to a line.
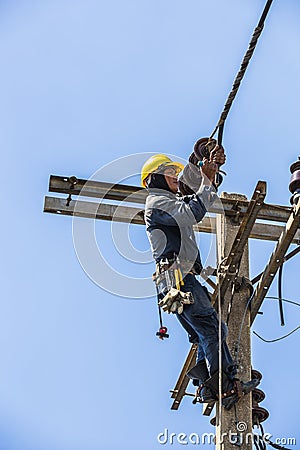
x=206, y=395
x=213, y=384
x=199, y=375
x=199, y=371
x=246, y=387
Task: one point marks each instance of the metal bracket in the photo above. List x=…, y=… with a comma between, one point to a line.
x=235, y=219
x=73, y=181
x=243, y=283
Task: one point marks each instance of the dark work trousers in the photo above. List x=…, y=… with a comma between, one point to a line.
x=201, y=322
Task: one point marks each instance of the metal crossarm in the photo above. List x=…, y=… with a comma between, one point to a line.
x=134, y=194
x=104, y=211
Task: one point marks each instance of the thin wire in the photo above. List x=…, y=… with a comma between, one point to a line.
x=278, y=339
x=286, y=335
x=240, y=332
x=284, y=300
x=232, y=294
x=243, y=320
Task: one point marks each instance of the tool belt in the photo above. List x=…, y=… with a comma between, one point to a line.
x=169, y=280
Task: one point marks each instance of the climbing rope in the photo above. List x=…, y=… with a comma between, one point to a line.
x=241, y=73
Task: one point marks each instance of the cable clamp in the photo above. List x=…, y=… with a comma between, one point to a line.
x=243, y=283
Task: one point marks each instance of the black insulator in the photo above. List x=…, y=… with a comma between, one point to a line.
x=256, y=374
x=295, y=178
x=259, y=414
x=202, y=148
x=258, y=396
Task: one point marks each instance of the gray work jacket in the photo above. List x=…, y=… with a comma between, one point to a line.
x=169, y=223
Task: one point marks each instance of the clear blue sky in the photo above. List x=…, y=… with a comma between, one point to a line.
x=84, y=83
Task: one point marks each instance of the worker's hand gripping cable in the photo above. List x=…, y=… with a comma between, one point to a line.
x=169, y=280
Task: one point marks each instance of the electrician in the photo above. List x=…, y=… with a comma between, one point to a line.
x=169, y=221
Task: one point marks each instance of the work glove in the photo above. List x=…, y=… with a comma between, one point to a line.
x=174, y=301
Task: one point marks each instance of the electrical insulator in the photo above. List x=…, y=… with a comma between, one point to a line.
x=294, y=185
x=259, y=414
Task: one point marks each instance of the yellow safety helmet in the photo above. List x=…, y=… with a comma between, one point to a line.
x=155, y=164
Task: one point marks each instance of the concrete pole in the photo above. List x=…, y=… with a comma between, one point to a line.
x=236, y=423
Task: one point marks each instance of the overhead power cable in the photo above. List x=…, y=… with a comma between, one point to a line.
x=263, y=440
x=277, y=339
x=285, y=300
x=237, y=349
x=286, y=335
x=241, y=73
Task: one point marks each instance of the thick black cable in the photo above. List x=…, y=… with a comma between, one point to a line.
x=265, y=440
x=241, y=73
x=292, y=253
x=277, y=446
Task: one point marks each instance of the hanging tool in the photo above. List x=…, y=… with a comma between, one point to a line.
x=162, y=332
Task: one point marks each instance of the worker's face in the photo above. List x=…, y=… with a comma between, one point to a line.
x=171, y=178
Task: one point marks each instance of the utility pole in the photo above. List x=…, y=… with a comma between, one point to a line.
x=232, y=426
x=235, y=223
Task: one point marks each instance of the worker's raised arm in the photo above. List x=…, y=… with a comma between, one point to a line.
x=175, y=211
